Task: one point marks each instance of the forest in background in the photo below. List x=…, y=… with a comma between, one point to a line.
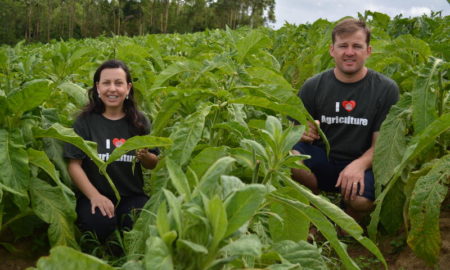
x=43, y=20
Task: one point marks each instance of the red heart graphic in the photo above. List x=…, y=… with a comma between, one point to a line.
x=118, y=142
x=349, y=105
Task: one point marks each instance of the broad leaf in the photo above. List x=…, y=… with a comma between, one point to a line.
x=76, y=92
x=178, y=179
x=210, y=179
x=338, y=216
x=322, y=223
x=13, y=155
x=201, y=162
x=70, y=259
x=157, y=255
x=215, y=211
x=40, y=159
x=424, y=210
x=247, y=245
x=186, y=136
x=33, y=94
x=303, y=253
x=251, y=42
x=424, y=96
x=137, y=142
x=418, y=143
x=242, y=205
x=390, y=145
x=50, y=205
x=14, y=169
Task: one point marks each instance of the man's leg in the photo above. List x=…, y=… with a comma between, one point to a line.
x=306, y=178
x=322, y=173
x=361, y=206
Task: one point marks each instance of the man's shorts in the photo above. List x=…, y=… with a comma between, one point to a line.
x=327, y=170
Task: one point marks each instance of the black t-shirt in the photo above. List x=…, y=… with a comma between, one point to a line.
x=108, y=134
x=349, y=113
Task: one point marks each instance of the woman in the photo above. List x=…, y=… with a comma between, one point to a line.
x=110, y=118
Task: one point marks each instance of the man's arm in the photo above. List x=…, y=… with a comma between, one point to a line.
x=353, y=174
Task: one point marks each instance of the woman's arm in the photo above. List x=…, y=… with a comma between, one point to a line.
x=148, y=159
x=81, y=180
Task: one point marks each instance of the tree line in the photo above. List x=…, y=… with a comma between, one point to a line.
x=43, y=20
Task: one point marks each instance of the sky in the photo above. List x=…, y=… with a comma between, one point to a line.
x=303, y=11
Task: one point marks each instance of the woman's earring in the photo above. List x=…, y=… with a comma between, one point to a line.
x=98, y=95
x=126, y=97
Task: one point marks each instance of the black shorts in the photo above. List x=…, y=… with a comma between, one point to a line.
x=327, y=170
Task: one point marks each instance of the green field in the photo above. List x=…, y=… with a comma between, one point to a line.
x=221, y=195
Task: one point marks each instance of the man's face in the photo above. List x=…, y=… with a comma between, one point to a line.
x=350, y=52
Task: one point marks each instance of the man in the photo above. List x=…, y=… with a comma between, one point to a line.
x=349, y=102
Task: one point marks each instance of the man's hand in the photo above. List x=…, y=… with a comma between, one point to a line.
x=311, y=134
x=350, y=178
x=103, y=204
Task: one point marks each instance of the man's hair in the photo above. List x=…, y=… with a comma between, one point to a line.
x=350, y=26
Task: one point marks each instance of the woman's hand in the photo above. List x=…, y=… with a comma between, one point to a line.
x=148, y=160
x=103, y=204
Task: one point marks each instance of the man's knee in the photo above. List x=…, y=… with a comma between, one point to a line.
x=360, y=204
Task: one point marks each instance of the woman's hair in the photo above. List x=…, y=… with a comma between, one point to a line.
x=132, y=114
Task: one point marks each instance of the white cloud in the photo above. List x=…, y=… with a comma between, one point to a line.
x=419, y=11
x=303, y=11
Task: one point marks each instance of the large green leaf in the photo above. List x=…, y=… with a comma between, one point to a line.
x=76, y=92
x=175, y=209
x=57, y=131
x=303, y=253
x=14, y=169
x=391, y=216
x=70, y=259
x=424, y=210
x=217, y=216
x=250, y=43
x=322, y=223
x=40, y=159
x=247, y=245
x=201, y=162
x=33, y=94
x=186, y=136
x=178, y=179
x=390, y=145
x=157, y=255
x=210, y=179
x=293, y=225
x=297, y=111
x=137, y=142
x=191, y=66
x=168, y=108
x=418, y=143
x=50, y=205
x=274, y=85
x=338, y=216
x=424, y=96
x=242, y=205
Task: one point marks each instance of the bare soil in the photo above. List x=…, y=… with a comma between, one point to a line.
x=399, y=256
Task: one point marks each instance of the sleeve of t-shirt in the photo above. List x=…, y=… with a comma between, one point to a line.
x=71, y=151
x=306, y=95
x=391, y=97
x=147, y=129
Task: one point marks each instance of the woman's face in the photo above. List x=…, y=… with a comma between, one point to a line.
x=113, y=88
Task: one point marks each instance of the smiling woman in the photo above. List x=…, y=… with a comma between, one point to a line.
x=110, y=118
